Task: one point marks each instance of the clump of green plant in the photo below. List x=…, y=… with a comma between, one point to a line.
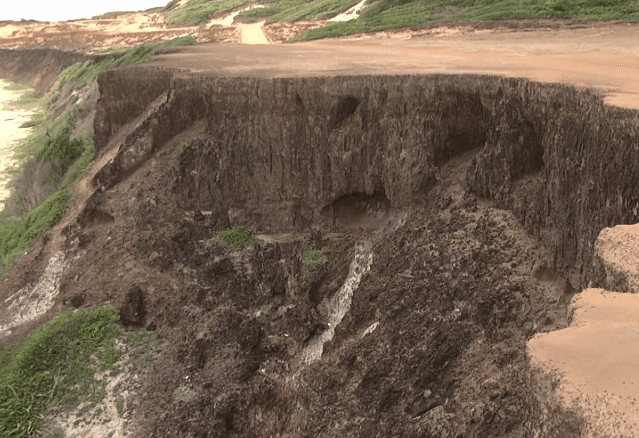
x=265, y=308
x=183, y=394
x=119, y=405
x=446, y=216
x=171, y=4
x=404, y=13
x=238, y=237
x=312, y=257
x=144, y=343
x=54, y=367
x=55, y=163
x=17, y=236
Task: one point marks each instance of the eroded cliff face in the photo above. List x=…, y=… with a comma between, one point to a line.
x=279, y=153
x=432, y=286
x=419, y=170
x=38, y=67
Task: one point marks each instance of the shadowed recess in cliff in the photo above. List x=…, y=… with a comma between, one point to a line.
x=554, y=154
x=359, y=211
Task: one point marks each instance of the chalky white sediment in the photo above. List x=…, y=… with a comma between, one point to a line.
x=36, y=299
x=337, y=306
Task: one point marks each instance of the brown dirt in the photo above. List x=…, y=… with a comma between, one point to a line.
x=556, y=51
x=434, y=343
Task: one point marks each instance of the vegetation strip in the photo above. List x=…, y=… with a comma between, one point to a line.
x=56, y=366
x=57, y=152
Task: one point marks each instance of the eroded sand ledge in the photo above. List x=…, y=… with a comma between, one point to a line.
x=597, y=357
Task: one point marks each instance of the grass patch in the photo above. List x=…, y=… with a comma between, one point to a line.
x=388, y=14
x=291, y=10
x=183, y=394
x=81, y=73
x=238, y=237
x=312, y=257
x=67, y=159
x=56, y=366
x=144, y=343
x=170, y=5
x=112, y=14
x=50, y=160
x=30, y=124
x=119, y=405
x=17, y=236
x=199, y=11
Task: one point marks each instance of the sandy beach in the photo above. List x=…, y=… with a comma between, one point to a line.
x=10, y=133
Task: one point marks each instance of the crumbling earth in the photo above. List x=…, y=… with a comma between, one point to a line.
x=449, y=287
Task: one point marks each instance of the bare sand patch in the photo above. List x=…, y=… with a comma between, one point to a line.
x=349, y=14
x=10, y=133
x=597, y=358
x=253, y=33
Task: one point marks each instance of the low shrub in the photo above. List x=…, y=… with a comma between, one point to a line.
x=238, y=237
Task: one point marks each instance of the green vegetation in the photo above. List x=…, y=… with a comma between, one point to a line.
x=119, y=405
x=238, y=237
x=112, y=14
x=81, y=73
x=170, y=5
x=199, y=11
x=17, y=236
x=387, y=14
x=52, y=157
x=53, y=367
x=446, y=216
x=183, y=394
x=291, y=10
x=145, y=344
x=265, y=308
x=56, y=366
x=312, y=257
x=52, y=163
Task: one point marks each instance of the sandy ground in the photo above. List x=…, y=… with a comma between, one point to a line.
x=604, y=57
x=253, y=33
x=598, y=360
x=597, y=357
x=350, y=14
x=10, y=133
x=617, y=248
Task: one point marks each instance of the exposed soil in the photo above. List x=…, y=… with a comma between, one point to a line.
x=456, y=197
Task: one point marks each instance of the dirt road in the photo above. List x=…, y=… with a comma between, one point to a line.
x=605, y=57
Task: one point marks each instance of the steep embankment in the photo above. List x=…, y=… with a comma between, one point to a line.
x=38, y=67
x=285, y=150
x=398, y=172
x=431, y=290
